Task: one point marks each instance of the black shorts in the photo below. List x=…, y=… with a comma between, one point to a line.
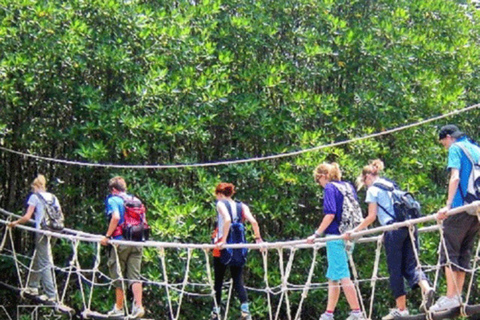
x=459, y=232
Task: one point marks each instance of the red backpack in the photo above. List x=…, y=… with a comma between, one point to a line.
x=135, y=226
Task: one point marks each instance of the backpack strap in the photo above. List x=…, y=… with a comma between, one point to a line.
x=346, y=191
x=384, y=186
x=239, y=211
x=393, y=182
x=44, y=201
x=340, y=187
x=388, y=189
x=229, y=209
x=122, y=196
x=469, y=156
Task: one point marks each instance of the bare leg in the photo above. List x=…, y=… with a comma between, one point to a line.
x=333, y=295
x=401, y=302
x=455, y=281
x=137, y=293
x=350, y=293
x=119, y=298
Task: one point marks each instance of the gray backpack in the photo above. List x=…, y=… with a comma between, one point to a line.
x=351, y=211
x=52, y=215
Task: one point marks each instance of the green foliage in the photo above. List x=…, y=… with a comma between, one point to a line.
x=197, y=81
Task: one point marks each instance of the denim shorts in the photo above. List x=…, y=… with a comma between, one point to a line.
x=337, y=260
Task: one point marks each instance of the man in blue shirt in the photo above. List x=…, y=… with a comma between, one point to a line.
x=127, y=259
x=459, y=230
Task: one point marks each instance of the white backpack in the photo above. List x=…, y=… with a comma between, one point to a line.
x=473, y=187
x=351, y=211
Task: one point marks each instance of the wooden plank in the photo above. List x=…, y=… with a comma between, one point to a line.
x=420, y=316
x=98, y=315
x=58, y=307
x=473, y=310
x=448, y=314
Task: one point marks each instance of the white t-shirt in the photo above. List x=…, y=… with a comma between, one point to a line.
x=39, y=206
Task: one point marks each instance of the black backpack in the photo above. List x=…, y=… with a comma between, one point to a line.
x=405, y=206
x=52, y=214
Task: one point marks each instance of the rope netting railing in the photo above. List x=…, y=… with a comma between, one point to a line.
x=80, y=269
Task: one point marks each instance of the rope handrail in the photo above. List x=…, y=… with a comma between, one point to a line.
x=66, y=230
x=239, y=161
x=266, y=245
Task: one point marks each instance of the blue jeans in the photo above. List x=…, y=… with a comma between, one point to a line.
x=41, y=267
x=401, y=261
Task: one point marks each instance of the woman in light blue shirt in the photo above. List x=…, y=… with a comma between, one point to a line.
x=401, y=259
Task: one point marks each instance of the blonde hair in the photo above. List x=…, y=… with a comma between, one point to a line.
x=374, y=168
x=39, y=183
x=330, y=170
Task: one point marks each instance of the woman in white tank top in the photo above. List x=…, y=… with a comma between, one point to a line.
x=239, y=212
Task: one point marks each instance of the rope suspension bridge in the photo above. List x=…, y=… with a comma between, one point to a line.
x=87, y=279
x=284, y=299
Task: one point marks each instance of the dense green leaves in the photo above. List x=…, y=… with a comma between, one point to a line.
x=144, y=82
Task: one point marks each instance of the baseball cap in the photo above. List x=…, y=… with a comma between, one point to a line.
x=451, y=130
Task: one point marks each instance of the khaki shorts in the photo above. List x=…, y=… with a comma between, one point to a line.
x=130, y=259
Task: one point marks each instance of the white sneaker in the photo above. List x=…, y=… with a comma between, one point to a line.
x=245, y=316
x=326, y=316
x=137, y=312
x=31, y=291
x=357, y=315
x=445, y=303
x=396, y=313
x=115, y=312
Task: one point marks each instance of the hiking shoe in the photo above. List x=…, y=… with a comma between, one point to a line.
x=31, y=291
x=214, y=316
x=356, y=315
x=396, y=313
x=115, y=312
x=137, y=312
x=46, y=298
x=429, y=298
x=246, y=316
x=326, y=316
x=445, y=303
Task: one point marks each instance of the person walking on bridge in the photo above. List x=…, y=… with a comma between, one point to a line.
x=459, y=230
